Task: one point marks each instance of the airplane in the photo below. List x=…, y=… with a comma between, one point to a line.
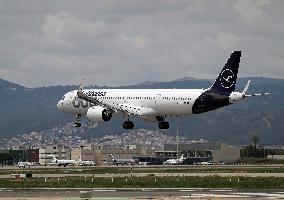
x=122, y=162
x=144, y=163
x=24, y=164
x=61, y=162
x=86, y=162
x=155, y=105
x=205, y=163
x=175, y=161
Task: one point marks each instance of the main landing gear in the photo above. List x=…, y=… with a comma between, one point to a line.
x=128, y=124
x=78, y=122
x=161, y=119
x=162, y=123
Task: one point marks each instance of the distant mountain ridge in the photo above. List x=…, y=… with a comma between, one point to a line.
x=33, y=109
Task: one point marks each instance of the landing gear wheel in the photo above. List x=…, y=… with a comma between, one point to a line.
x=78, y=123
x=128, y=125
x=164, y=125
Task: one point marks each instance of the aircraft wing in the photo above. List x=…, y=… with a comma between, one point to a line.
x=136, y=110
x=81, y=95
x=126, y=109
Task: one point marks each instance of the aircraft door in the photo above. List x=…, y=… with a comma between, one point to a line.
x=158, y=98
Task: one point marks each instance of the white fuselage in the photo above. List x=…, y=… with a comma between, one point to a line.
x=86, y=163
x=173, y=102
x=63, y=162
x=24, y=164
x=175, y=161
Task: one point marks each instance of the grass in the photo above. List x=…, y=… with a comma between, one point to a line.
x=148, y=182
x=127, y=170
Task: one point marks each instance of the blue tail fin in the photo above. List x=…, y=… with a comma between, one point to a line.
x=226, y=81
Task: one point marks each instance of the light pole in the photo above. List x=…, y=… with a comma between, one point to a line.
x=177, y=139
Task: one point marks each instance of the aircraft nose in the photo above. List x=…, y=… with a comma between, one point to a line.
x=60, y=105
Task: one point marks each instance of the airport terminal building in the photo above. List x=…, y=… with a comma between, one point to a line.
x=195, y=152
x=212, y=152
x=101, y=154
x=203, y=152
x=59, y=151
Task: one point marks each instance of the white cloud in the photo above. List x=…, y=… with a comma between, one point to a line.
x=125, y=42
x=251, y=10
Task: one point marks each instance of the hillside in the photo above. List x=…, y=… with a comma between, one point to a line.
x=33, y=109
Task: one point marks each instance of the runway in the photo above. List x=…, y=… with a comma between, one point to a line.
x=140, y=193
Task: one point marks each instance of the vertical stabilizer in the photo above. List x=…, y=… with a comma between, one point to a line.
x=226, y=81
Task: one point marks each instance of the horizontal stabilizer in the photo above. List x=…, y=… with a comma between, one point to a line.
x=253, y=95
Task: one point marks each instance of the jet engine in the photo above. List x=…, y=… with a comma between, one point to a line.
x=99, y=114
x=236, y=96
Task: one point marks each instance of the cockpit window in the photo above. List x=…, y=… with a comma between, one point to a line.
x=63, y=97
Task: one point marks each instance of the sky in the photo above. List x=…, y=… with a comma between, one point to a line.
x=123, y=42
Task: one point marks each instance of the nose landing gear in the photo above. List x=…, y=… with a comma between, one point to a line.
x=163, y=125
x=78, y=122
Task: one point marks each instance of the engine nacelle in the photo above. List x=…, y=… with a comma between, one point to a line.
x=99, y=114
x=235, y=96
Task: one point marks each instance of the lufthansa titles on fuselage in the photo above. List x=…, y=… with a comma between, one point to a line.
x=92, y=93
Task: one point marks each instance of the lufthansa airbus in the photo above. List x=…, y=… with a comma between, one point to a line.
x=155, y=105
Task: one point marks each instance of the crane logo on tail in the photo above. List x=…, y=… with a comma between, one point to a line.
x=227, y=78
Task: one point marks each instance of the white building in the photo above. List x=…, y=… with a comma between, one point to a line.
x=59, y=151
